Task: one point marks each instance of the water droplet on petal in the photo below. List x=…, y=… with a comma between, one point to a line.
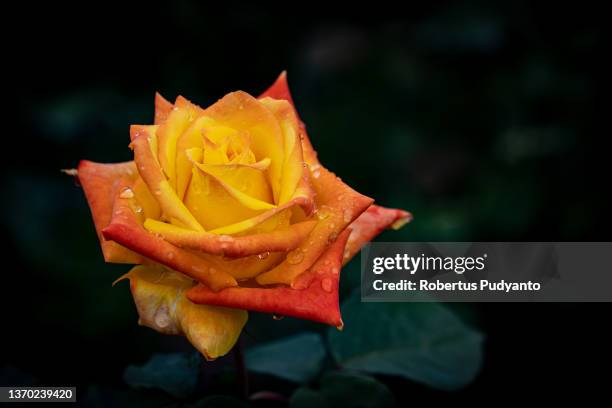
x=295, y=257
x=323, y=212
x=127, y=193
x=335, y=270
x=331, y=225
x=327, y=284
x=348, y=215
x=263, y=255
x=170, y=255
x=198, y=269
x=277, y=317
x=226, y=238
x=316, y=174
x=157, y=192
x=347, y=254
x=332, y=237
x=162, y=318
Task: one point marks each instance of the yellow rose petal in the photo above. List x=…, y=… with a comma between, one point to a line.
x=244, y=113
x=153, y=176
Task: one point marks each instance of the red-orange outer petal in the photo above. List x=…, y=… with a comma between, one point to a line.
x=100, y=182
x=126, y=230
x=371, y=223
x=280, y=240
x=318, y=301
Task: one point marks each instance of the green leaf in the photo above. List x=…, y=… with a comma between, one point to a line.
x=296, y=358
x=174, y=373
x=423, y=342
x=219, y=401
x=347, y=390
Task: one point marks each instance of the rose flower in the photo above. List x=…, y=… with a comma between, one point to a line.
x=227, y=209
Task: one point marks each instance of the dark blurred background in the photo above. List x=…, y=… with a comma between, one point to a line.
x=485, y=120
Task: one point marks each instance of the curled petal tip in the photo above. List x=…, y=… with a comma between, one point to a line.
x=70, y=172
x=404, y=219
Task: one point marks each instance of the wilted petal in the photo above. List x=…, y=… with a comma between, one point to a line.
x=159, y=295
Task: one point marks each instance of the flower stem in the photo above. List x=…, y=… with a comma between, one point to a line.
x=241, y=371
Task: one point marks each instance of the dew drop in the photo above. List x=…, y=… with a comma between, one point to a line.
x=127, y=193
x=170, y=255
x=322, y=213
x=157, y=192
x=263, y=255
x=198, y=269
x=332, y=237
x=341, y=196
x=295, y=257
x=335, y=270
x=326, y=284
x=277, y=317
x=162, y=318
x=225, y=238
x=332, y=225
x=316, y=174
x=348, y=215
